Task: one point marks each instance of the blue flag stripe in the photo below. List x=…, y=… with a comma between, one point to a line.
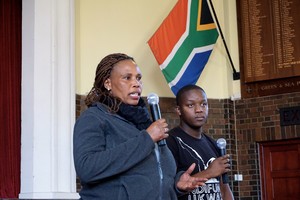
x=193, y=71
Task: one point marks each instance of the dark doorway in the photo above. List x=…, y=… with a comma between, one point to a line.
x=280, y=169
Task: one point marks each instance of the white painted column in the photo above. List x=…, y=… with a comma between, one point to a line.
x=48, y=100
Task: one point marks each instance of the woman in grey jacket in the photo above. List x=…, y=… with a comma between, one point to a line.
x=115, y=143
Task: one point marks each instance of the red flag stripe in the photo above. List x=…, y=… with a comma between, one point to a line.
x=163, y=37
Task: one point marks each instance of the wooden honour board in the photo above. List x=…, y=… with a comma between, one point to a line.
x=269, y=41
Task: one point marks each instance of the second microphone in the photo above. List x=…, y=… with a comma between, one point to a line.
x=153, y=101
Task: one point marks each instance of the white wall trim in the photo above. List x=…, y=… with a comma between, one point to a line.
x=48, y=100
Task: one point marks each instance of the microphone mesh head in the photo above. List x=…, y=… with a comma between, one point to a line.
x=221, y=143
x=152, y=98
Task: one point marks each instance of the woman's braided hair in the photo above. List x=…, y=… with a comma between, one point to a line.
x=98, y=92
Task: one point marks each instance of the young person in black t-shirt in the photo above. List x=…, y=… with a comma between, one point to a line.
x=189, y=144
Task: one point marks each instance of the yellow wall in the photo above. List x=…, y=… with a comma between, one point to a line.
x=109, y=26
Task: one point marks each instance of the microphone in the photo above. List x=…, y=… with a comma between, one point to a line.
x=221, y=143
x=155, y=112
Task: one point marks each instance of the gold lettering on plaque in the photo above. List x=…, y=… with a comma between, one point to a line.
x=271, y=35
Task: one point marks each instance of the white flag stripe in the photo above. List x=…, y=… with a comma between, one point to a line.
x=191, y=56
x=180, y=41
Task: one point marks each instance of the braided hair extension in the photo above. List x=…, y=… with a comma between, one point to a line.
x=99, y=93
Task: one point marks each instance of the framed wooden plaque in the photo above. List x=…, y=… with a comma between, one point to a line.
x=269, y=41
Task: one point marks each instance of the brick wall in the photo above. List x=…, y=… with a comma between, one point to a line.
x=242, y=123
x=258, y=119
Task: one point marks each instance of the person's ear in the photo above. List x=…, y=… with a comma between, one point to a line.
x=177, y=110
x=107, y=84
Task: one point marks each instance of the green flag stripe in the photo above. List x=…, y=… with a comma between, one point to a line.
x=202, y=38
x=195, y=39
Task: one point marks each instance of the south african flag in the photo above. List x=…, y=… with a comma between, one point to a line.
x=183, y=42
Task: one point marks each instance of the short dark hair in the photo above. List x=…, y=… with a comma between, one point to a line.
x=184, y=89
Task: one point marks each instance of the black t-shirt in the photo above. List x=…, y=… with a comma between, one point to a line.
x=188, y=150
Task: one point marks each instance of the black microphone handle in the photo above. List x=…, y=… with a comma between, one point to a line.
x=225, y=178
x=223, y=152
x=155, y=112
x=162, y=142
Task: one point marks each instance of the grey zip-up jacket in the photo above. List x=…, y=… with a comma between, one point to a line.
x=116, y=161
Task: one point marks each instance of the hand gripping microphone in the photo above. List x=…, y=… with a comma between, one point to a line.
x=221, y=143
x=155, y=111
